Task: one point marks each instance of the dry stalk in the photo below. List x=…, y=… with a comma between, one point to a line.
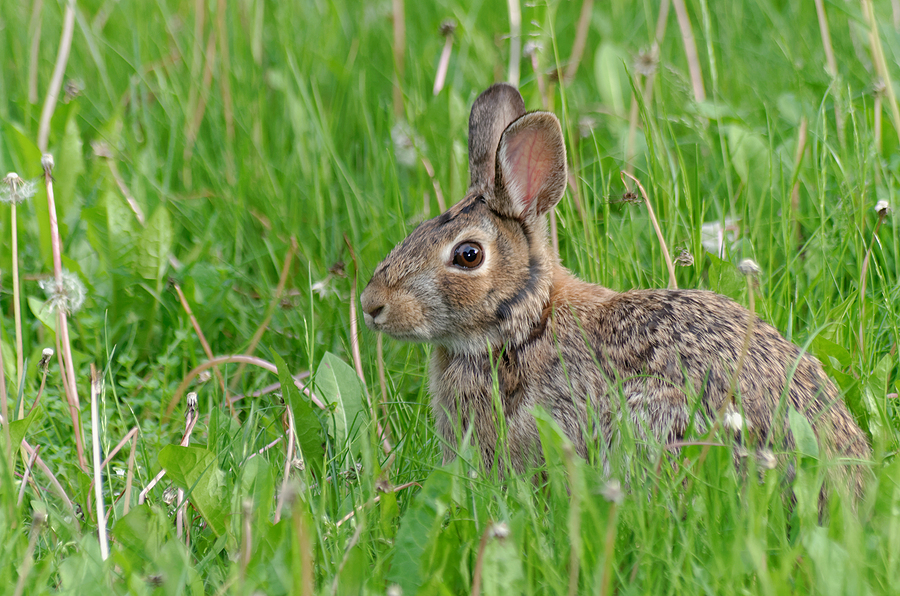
x=4, y=410
x=17, y=309
x=270, y=311
x=661, y=21
x=447, y=29
x=437, y=187
x=399, y=48
x=27, y=475
x=54, y=483
x=34, y=33
x=515, y=42
x=289, y=456
x=64, y=352
x=190, y=419
x=205, y=344
x=584, y=22
x=247, y=536
x=882, y=213
x=56, y=80
x=690, y=50
x=193, y=125
x=98, y=468
x=357, y=358
x=182, y=387
x=129, y=477
x=225, y=85
x=673, y=283
x=37, y=525
x=881, y=67
x=798, y=160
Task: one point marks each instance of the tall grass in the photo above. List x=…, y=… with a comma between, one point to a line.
x=196, y=142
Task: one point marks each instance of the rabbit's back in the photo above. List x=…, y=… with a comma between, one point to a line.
x=661, y=360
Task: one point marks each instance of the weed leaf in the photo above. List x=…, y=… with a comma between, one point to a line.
x=194, y=469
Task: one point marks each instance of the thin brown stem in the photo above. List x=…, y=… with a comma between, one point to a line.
x=862, y=287
x=98, y=468
x=203, y=343
x=673, y=283
x=880, y=63
x=59, y=70
x=399, y=47
x=584, y=22
x=64, y=351
x=17, y=309
x=34, y=33
x=515, y=42
x=690, y=50
x=270, y=311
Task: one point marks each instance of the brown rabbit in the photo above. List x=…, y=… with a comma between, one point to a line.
x=482, y=283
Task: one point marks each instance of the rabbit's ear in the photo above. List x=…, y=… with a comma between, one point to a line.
x=531, y=164
x=493, y=111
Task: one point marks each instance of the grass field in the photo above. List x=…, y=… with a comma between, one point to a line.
x=228, y=174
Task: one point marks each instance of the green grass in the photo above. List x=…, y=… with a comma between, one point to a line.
x=303, y=150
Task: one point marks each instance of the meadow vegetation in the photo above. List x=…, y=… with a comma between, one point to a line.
x=226, y=176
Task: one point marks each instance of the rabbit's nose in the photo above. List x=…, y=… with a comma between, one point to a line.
x=371, y=304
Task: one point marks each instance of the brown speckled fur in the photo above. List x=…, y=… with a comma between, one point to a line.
x=575, y=348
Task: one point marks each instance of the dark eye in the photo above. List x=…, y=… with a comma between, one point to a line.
x=468, y=255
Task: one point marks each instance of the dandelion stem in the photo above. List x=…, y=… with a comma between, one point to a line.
x=59, y=69
x=64, y=353
x=98, y=468
x=17, y=308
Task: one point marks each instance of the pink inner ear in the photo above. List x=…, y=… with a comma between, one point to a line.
x=529, y=158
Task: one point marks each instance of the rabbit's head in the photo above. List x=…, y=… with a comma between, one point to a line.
x=480, y=273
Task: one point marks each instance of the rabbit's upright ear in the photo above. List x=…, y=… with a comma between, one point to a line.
x=493, y=111
x=531, y=164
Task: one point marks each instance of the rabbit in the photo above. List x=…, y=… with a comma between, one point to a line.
x=482, y=283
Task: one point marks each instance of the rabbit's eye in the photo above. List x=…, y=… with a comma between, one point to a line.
x=468, y=255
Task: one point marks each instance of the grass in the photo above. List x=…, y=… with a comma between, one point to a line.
x=240, y=128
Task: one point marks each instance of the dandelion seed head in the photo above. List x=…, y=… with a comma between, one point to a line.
x=749, y=267
x=68, y=294
x=47, y=162
x=766, y=459
x=733, y=420
x=646, y=61
x=684, y=258
x=448, y=26
x=405, y=141
x=500, y=530
x=612, y=492
x=15, y=189
x=882, y=206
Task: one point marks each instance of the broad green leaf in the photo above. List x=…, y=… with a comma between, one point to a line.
x=420, y=529
x=69, y=166
x=110, y=229
x=141, y=532
x=611, y=76
x=258, y=481
x=42, y=313
x=825, y=349
x=155, y=245
x=724, y=277
x=749, y=156
x=339, y=387
x=502, y=573
x=804, y=437
x=307, y=425
x=19, y=428
x=194, y=469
